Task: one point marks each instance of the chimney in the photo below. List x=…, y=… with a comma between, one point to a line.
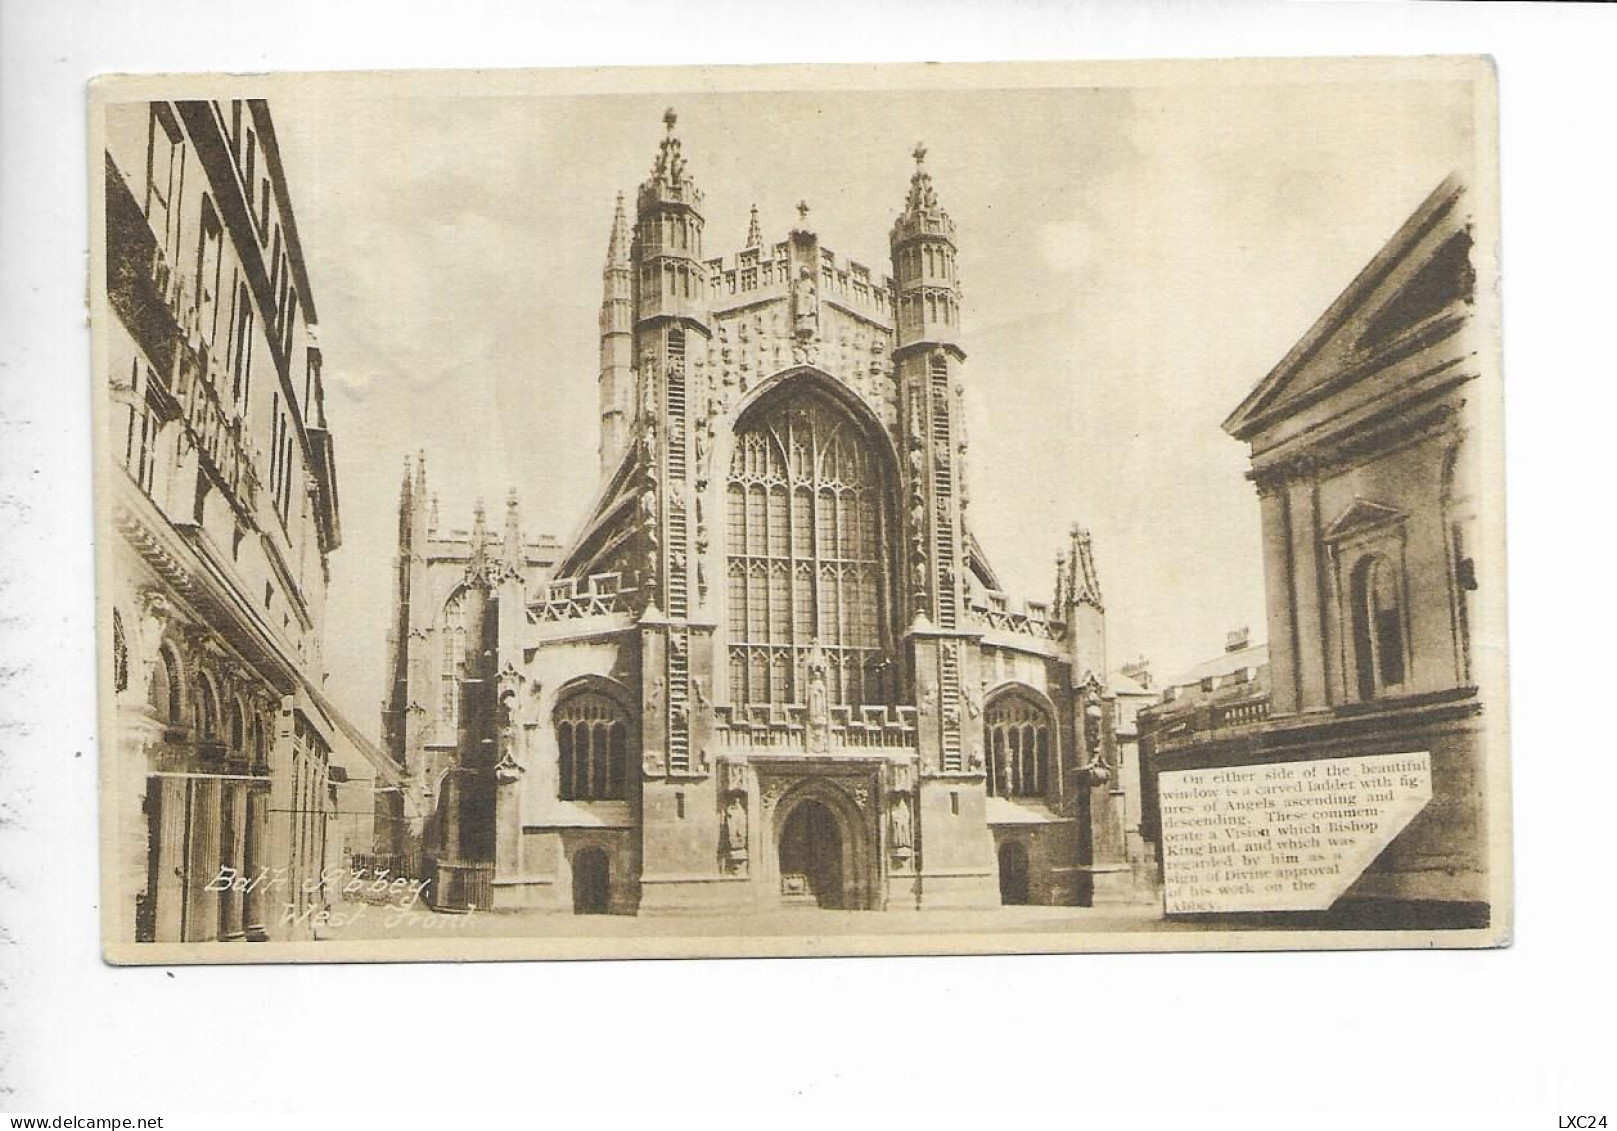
x=1237, y=640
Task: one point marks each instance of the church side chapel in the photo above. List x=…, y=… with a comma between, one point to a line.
x=773, y=667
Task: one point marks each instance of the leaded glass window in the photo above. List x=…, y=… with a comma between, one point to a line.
x=806, y=517
x=592, y=741
x=1018, y=734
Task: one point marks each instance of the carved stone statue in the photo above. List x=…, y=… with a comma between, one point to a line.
x=819, y=705
x=903, y=825
x=735, y=828
x=805, y=304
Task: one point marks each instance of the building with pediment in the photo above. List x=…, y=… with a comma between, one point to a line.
x=773, y=666
x=1365, y=463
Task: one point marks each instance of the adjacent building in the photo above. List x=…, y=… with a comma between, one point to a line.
x=1217, y=700
x=773, y=666
x=221, y=489
x=1365, y=462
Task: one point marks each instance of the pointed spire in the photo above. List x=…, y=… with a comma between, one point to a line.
x=513, y=530
x=1061, y=583
x=617, y=246
x=404, y=487
x=1083, y=581
x=421, y=473
x=755, y=233
x=432, y=514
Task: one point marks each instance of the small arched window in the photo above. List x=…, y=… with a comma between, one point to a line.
x=592, y=740
x=255, y=743
x=165, y=689
x=1378, y=627
x=207, y=718
x=1018, y=732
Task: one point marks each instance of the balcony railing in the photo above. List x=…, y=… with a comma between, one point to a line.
x=1241, y=714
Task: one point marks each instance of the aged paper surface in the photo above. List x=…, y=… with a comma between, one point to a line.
x=799, y=510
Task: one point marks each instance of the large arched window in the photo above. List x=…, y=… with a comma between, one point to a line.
x=805, y=559
x=1018, y=736
x=1378, y=626
x=592, y=738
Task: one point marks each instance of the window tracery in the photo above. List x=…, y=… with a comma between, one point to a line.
x=1018, y=732
x=592, y=740
x=805, y=507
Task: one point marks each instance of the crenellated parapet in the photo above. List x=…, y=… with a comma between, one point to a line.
x=577, y=598
x=757, y=274
x=1024, y=618
x=789, y=727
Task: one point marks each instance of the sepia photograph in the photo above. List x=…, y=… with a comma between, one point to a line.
x=767, y=511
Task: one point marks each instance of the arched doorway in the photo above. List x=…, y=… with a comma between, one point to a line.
x=1013, y=873
x=592, y=882
x=811, y=856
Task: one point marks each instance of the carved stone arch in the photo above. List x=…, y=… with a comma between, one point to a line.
x=1021, y=741
x=855, y=829
x=767, y=388
x=167, y=688
x=1019, y=687
x=607, y=685
x=595, y=721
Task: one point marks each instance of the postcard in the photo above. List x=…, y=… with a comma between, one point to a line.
x=897, y=509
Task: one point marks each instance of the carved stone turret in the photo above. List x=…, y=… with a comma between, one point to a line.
x=926, y=282
x=617, y=343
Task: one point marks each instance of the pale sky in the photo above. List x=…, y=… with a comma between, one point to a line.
x=1133, y=262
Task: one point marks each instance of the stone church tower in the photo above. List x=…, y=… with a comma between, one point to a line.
x=774, y=667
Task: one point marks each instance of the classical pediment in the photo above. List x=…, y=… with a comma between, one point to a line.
x=1360, y=516
x=1418, y=276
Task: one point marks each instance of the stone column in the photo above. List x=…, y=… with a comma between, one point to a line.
x=1304, y=508
x=1106, y=872
x=232, y=850
x=254, y=861
x=202, y=918
x=1279, y=598
x=171, y=795
x=507, y=820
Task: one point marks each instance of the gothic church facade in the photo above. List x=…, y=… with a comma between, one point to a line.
x=774, y=667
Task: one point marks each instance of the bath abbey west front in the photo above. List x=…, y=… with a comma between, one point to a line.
x=773, y=666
